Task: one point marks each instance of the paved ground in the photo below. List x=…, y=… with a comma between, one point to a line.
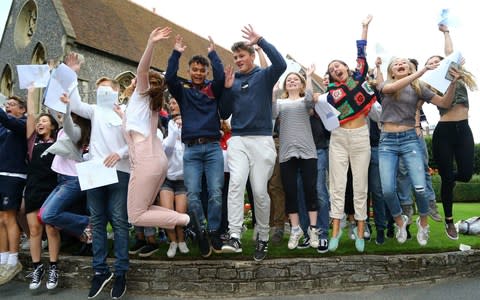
x=459, y=289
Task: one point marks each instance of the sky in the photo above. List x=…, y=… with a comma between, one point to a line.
x=320, y=31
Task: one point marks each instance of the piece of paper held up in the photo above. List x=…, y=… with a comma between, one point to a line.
x=292, y=66
x=93, y=173
x=327, y=113
x=33, y=75
x=437, y=78
x=61, y=81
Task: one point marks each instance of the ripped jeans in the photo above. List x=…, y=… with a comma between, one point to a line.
x=405, y=146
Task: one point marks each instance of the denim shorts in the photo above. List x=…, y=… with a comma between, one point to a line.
x=175, y=186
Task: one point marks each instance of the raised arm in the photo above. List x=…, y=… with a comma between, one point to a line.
x=73, y=132
x=365, y=24
x=392, y=87
x=156, y=35
x=446, y=100
x=31, y=117
x=261, y=56
x=217, y=69
x=448, y=40
x=378, y=71
x=173, y=82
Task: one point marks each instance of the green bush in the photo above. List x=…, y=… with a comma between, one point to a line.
x=464, y=192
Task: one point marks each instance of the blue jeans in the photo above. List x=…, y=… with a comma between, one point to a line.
x=53, y=210
x=375, y=189
x=109, y=204
x=198, y=160
x=323, y=197
x=395, y=146
x=404, y=183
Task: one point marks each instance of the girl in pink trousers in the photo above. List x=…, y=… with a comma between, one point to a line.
x=147, y=158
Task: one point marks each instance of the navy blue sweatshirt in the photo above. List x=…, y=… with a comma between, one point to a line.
x=249, y=100
x=13, y=144
x=198, y=106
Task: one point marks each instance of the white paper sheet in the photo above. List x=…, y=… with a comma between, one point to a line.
x=33, y=75
x=61, y=80
x=327, y=113
x=437, y=78
x=93, y=173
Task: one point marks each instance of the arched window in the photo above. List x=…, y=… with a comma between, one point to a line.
x=6, y=82
x=124, y=79
x=26, y=24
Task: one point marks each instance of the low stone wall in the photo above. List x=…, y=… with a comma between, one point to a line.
x=217, y=278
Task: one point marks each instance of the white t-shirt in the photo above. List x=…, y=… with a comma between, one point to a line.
x=138, y=114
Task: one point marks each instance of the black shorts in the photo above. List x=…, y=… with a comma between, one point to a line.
x=11, y=192
x=175, y=186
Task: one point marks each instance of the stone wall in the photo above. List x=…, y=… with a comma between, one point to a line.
x=217, y=278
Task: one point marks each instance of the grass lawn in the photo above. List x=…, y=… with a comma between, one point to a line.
x=438, y=242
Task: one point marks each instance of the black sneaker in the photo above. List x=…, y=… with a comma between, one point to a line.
x=148, y=250
x=217, y=242
x=260, y=250
x=98, y=283
x=204, y=244
x=36, y=276
x=119, y=287
x=85, y=250
x=322, y=246
x=390, y=232
x=380, y=238
x=233, y=245
x=305, y=244
x=52, y=277
x=137, y=247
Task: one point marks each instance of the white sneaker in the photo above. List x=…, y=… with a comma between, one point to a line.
x=422, y=233
x=182, y=246
x=9, y=272
x=313, y=235
x=401, y=234
x=295, y=236
x=25, y=244
x=172, y=250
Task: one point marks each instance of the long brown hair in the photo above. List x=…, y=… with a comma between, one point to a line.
x=156, y=90
x=85, y=128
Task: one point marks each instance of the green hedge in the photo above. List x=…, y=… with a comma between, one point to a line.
x=464, y=192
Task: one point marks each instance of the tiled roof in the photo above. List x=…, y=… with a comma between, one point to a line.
x=121, y=28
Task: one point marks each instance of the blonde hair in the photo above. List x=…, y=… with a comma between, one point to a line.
x=285, y=94
x=416, y=84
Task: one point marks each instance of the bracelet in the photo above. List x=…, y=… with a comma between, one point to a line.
x=418, y=126
x=447, y=31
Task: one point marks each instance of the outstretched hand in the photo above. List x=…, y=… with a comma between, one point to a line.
x=179, y=46
x=160, y=34
x=310, y=70
x=443, y=28
x=211, y=47
x=432, y=65
x=367, y=20
x=229, y=77
x=64, y=98
x=72, y=61
x=250, y=35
